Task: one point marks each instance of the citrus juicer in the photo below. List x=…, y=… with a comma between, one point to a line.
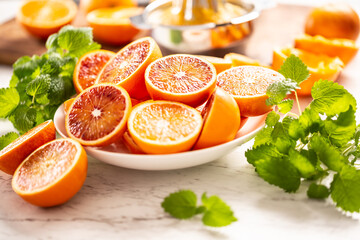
x=197, y=26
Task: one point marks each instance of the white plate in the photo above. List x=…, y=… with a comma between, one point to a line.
x=118, y=155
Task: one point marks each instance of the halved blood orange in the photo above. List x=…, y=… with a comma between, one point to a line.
x=345, y=49
x=160, y=127
x=14, y=153
x=98, y=115
x=220, y=64
x=127, y=68
x=88, y=68
x=320, y=66
x=221, y=120
x=182, y=78
x=248, y=84
x=52, y=174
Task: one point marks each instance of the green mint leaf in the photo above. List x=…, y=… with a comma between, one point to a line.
x=272, y=118
x=263, y=136
x=23, y=118
x=266, y=152
x=279, y=172
x=277, y=91
x=327, y=153
x=24, y=67
x=330, y=98
x=285, y=106
x=345, y=189
x=21, y=88
x=302, y=163
x=181, y=204
x=294, y=69
x=341, y=130
x=318, y=191
x=9, y=100
x=52, y=43
x=7, y=139
x=310, y=121
x=281, y=139
x=39, y=85
x=218, y=213
x=53, y=65
x=296, y=130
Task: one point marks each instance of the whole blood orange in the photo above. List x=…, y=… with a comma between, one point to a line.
x=221, y=120
x=127, y=68
x=248, y=84
x=88, y=68
x=98, y=115
x=320, y=66
x=181, y=78
x=52, y=174
x=14, y=153
x=161, y=127
x=333, y=20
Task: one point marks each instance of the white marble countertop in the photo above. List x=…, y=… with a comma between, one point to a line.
x=118, y=203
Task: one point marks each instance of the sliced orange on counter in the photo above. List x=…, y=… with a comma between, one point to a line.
x=52, y=174
x=247, y=85
x=113, y=25
x=221, y=120
x=320, y=66
x=241, y=60
x=42, y=18
x=181, y=78
x=98, y=115
x=345, y=49
x=127, y=68
x=13, y=154
x=220, y=64
x=163, y=127
x=88, y=68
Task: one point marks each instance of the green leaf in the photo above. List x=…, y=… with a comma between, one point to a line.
x=281, y=139
x=266, y=152
x=318, y=191
x=285, y=106
x=7, y=139
x=52, y=42
x=328, y=154
x=263, y=136
x=331, y=98
x=279, y=172
x=310, y=121
x=277, y=91
x=218, y=213
x=23, y=118
x=302, y=164
x=39, y=85
x=341, y=130
x=345, y=189
x=9, y=100
x=181, y=204
x=294, y=69
x=296, y=130
x=272, y=118
x=24, y=67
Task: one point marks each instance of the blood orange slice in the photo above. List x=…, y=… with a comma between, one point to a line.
x=248, y=84
x=88, y=68
x=221, y=120
x=128, y=66
x=98, y=116
x=182, y=78
x=52, y=174
x=160, y=127
x=14, y=153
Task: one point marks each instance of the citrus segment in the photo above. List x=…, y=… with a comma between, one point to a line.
x=52, y=174
x=248, y=84
x=42, y=18
x=220, y=64
x=240, y=60
x=98, y=115
x=127, y=68
x=113, y=25
x=13, y=154
x=67, y=104
x=88, y=68
x=161, y=127
x=221, y=120
x=320, y=66
x=181, y=78
x=345, y=49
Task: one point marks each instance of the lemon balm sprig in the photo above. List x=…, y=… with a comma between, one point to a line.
x=321, y=142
